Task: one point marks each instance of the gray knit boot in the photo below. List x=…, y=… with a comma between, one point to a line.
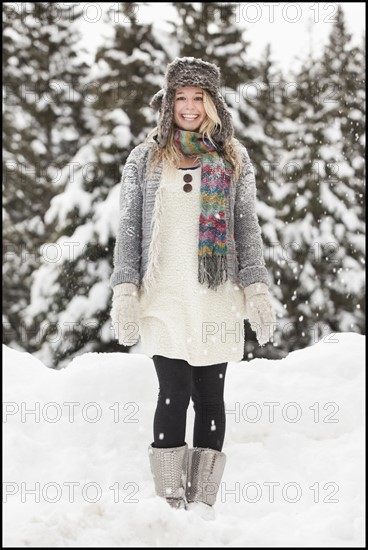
x=169, y=470
x=205, y=469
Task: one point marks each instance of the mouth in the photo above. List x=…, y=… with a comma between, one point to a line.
x=189, y=118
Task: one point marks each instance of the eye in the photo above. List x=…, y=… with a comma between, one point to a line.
x=199, y=98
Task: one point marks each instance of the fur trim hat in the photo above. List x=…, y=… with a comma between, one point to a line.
x=190, y=71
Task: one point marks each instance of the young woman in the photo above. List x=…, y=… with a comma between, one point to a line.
x=188, y=269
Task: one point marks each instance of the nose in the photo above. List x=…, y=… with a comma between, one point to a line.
x=190, y=103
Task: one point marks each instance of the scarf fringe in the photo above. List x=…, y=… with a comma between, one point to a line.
x=212, y=269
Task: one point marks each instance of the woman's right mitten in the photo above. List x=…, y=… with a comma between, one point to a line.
x=125, y=313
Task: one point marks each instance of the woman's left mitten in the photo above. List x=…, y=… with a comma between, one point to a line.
x=260, y=312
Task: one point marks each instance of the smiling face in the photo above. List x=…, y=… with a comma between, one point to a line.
x=189, y=111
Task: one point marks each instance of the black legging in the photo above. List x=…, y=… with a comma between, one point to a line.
x=178, y=381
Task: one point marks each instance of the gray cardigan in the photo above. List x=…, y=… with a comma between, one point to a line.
x=245, y=261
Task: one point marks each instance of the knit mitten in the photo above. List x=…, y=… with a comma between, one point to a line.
x=125, y=313
x=260, y=312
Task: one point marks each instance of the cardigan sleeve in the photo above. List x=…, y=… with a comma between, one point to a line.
x=247, y=232
x=128, y=244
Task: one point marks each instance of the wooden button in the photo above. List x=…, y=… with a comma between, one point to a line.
x=187, y=178
x=187, y=187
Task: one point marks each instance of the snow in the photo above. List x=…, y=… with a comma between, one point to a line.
x=107, y=215
x=44, y=279
x=294, y=444
x=73, y=175
x=355, y=114
x=336, y=206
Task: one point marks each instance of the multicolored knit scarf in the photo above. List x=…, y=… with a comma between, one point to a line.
x=214, y=192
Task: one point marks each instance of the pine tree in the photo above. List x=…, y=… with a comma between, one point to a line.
x=42, y=127
x=210, y=32
x=322, y=236
x=342, y=91
x=261, y=113
x=75, y=293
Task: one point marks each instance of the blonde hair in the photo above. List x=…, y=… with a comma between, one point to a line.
x=209, y=126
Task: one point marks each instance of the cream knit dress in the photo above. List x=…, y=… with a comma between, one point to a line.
x=180, y=317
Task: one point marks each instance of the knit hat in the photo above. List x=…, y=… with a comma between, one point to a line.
x=190, y=71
